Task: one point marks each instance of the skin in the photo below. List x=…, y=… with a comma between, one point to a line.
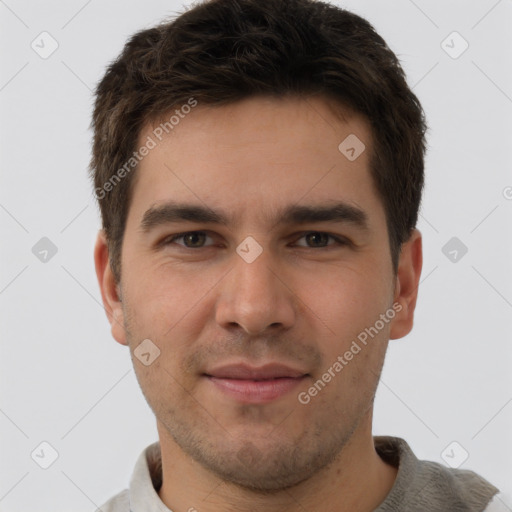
x=302, y=301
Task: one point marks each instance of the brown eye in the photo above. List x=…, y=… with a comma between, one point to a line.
x=191, y=239
x=319, y=239
x=194, y=239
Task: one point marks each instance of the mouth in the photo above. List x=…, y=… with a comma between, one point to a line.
x=256, y=391
x=248, y=384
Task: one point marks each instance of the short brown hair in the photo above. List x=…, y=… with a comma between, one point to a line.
x=222, y=51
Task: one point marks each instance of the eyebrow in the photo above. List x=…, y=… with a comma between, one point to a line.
x=171, y=211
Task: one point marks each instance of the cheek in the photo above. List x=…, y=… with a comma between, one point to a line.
x=172, y=308
x=347, y=300
x=165, y=297
x=161, y=375
x=159, y=384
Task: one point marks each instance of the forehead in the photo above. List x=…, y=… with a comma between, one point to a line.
x=257, y=155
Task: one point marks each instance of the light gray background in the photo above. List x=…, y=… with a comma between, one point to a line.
x=64, y=380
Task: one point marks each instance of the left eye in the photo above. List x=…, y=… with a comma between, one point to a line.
x=319, y=239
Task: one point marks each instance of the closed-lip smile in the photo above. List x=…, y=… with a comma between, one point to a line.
x=250, y=384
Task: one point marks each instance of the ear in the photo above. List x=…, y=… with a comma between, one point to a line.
x=109, y=289
x=407, y=282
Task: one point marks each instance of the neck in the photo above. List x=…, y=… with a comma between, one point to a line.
x=357, y=481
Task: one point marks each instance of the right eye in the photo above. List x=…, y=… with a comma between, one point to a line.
x=191, y=239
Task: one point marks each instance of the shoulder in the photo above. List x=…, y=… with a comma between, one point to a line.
x=118, y=503
x=497, y=504
x=428, y=485
x=464, y=485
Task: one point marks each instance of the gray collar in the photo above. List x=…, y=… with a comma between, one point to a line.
x=420, y=486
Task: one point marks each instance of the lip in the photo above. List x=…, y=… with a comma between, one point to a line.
x=244, y=371
x=256, y=391
x=248, y=384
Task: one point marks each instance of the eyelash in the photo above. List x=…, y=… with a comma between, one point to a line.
x=340, y=241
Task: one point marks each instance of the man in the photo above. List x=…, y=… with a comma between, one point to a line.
x=259, y=169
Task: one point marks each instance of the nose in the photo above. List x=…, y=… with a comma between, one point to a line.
x=256, y=296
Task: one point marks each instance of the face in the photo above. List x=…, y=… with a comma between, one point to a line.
x=255, y=260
